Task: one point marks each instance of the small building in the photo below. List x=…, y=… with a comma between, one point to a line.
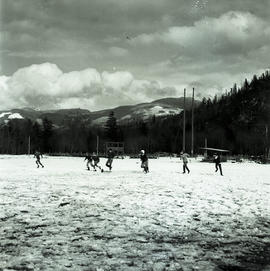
x=116, y=147
x=209, y=158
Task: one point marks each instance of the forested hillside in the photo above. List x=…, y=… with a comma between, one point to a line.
x=238, y=120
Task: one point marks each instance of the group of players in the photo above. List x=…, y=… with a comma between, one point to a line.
x=93, y=161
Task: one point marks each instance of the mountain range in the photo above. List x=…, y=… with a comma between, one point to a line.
x=124, y=114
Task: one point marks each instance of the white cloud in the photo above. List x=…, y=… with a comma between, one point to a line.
x=32, y=81
x=117, y=80
x=78, y=83
x=232, y=32
x=46, y=86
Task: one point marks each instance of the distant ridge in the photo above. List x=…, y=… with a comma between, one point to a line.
x=127, y=113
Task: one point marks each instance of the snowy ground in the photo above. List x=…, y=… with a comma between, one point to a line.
x=64, y=217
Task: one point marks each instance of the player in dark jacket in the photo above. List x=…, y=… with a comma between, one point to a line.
x=96, y=160
x=110, y=159
x=144, y=160
x=37, y=155
x=89, y=162
x=218, y=163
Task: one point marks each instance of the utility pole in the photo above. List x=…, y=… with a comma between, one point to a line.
x=29, y=145
x=267, y=150
x=97, y=143
x=192, y=124
x=205, y=145
x=184, y=123
x=205, y=139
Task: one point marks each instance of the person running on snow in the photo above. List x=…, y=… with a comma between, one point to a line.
x=37, y=155
x=96, y=160
x=144, y=160
x=89, y=159
x=110, y=159
x=184, y=157
x=218, y=163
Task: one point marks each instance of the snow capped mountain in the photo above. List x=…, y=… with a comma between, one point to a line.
x=146, y=111
x=3, y=114
x=142, y=111
x=15, y=116
x=10, y=115
x=123, y=114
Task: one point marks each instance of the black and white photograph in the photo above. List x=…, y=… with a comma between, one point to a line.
x=135, y=135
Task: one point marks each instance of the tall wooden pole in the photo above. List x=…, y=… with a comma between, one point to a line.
x=97, y=143
x=184, y=123
x=205, y=145
x=192, y=124
x=29, y=145
x=266, y=142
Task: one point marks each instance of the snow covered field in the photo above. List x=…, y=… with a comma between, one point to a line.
x=63, y=217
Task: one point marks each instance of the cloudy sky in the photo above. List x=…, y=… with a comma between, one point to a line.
x=97, y=54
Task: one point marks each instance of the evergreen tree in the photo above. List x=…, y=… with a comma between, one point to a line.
x=47, y=134
x=111, y=127
x=91, y=140
x=234, y=89
x=36, y=137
